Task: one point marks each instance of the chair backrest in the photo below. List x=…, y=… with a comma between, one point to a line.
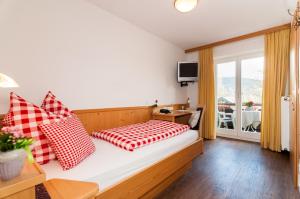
x=228, y=110
x=199, y=123
x=221, y=115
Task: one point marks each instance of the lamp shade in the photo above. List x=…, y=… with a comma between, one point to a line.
x=185, y=5
x=7, y=82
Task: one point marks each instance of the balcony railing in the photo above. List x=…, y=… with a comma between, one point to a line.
x=250, y=117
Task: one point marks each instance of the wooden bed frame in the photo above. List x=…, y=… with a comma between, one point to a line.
x=157, y=177
x=154, y=179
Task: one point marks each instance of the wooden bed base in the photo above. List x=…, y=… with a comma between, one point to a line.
x=154, y=179
x=147, y=183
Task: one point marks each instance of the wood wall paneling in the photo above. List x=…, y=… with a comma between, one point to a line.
x=293, y=101
x=294, y=94
x=106, y=118
x=110, y=118
x=98, y=119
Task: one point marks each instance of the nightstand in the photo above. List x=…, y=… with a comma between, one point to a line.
x=23, y=186
x=180, y=117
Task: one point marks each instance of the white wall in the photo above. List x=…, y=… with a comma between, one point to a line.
x=192, y=89
x=233, y=49
x=88, y=57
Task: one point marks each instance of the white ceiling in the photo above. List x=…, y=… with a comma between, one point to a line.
x=211, y=21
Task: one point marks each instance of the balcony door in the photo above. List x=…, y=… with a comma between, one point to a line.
x=239, y=82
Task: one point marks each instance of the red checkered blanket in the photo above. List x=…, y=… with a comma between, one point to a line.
x=138, y=135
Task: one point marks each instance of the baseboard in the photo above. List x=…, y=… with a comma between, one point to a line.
x=238, y=138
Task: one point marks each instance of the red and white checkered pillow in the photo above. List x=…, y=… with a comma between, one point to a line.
x=27, y=117
x=53, y=105
x=138, y=135
x=7, y=120
x=69, y=140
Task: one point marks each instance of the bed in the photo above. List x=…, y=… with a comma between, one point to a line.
x=146, y=179
x=143, y=173
x=110, y=165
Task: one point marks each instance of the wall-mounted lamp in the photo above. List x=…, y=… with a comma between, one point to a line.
x=7, y=82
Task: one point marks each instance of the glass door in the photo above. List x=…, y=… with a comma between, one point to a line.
x=251, y=95
x=226, y=97
x=239, y=96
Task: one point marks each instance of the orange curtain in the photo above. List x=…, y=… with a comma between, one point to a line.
x=277, y=49
x=207, y=92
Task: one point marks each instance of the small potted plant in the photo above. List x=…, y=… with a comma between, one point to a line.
x=249, y=105
x=14, y=147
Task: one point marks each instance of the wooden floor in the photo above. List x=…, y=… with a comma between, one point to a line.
x=235, y=170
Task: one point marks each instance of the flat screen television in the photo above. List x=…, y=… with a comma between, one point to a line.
x=187, y=71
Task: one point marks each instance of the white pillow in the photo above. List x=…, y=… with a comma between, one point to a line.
x=194, y=118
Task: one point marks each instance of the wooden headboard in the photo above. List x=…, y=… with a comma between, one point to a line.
x=96, y=119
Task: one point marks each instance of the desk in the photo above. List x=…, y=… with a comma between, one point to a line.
x=180, y=117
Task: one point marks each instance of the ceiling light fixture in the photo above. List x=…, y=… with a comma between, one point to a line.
x=185, y=5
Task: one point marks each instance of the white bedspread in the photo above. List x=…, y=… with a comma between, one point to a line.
x=110, y=164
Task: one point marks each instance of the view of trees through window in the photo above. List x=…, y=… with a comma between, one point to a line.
x=251, y=81
x=226, y=82
x=239, y=88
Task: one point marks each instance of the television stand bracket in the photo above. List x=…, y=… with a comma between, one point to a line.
x=182, y=84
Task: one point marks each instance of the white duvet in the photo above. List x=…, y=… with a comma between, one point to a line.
x=110, y=164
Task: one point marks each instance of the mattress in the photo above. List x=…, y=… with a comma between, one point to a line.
x=110, y=164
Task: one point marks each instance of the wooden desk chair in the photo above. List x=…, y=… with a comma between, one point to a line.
x=200, y=108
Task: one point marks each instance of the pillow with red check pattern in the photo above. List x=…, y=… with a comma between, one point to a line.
x=53, y=105
x=69, y=140
x=135, y=136
x=7, y=120
x=27, y=117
